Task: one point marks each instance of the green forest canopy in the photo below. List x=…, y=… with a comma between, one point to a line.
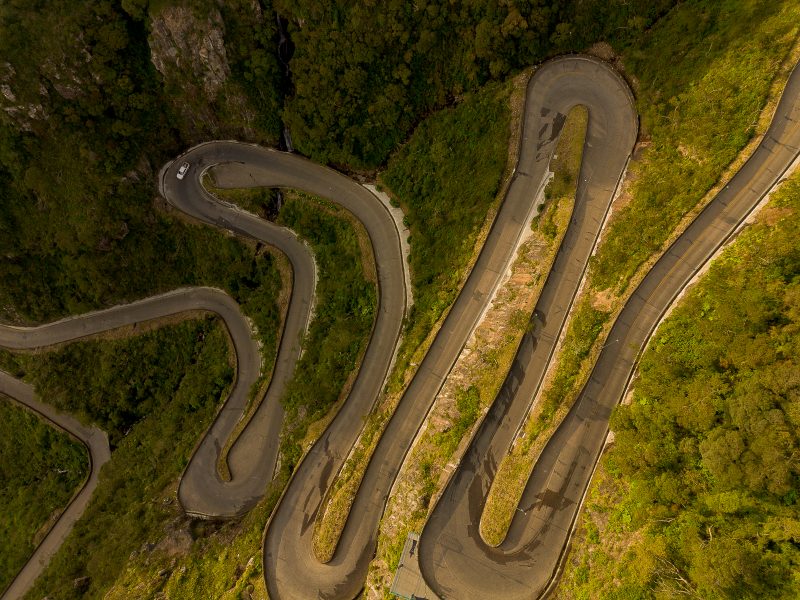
x=708, y=448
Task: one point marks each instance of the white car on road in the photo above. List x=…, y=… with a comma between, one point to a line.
x=182, y=170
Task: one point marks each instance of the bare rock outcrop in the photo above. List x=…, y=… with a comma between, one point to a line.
x=186, y=48
x=21, y=112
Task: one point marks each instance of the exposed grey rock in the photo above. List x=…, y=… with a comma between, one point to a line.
x=81, y=583
x=188, y=48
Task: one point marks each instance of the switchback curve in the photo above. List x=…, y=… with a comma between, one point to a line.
x=96, y=441
x=202, y=492
x=290, y=568
x=454, y=560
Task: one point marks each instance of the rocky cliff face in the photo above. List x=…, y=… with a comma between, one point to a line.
x=23, y=113
x=188, y=50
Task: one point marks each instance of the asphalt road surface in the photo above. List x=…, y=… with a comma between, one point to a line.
x=251, y=460
x=454, y=560
x=96, y=443
x=290, y=568
x=202, y=492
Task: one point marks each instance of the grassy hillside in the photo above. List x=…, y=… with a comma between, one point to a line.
x=697, y=115
x=165, y=389
x=346, y=300
x=699, y=494
x=40, y=469
x=565, y=165
x=480, y=372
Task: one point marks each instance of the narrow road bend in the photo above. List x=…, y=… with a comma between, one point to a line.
x=251, y=460
x=96, y=443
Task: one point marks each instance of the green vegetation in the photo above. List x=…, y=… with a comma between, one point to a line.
x=513, y=471
x=565, y=165
x=700, y=490
x=201, y=559
x=445, y=220
x=484, y=368
x=364, y=75
x=698, y=114
x=40, y=470
x=218, y=66
x=260, y=201
x=213, y=562
x=117, y=383
x=468, y=143
x=185, y=372
x=250, y=45
x=664, y=188
x=89, y=120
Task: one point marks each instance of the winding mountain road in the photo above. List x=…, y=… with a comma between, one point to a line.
x=453, y=558
x=251, y=460
x=554, y=89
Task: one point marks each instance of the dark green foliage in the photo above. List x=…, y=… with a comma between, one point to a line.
x=40, y=469
x=467, y=143
x=578, y=341
x=711, y=438
x=468, y=403
x=365, y=73
x=122, y=381
x=251, y=44
x=185, y=370
x=79, y=229
x=343, y=315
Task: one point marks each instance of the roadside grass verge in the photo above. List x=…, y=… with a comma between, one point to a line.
x=689, y=151
x=565, y=166
x=346, y=301
x=41, y=469
x=202, y=559
x=259, y=201
x=155, y=394
x=447, y=220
